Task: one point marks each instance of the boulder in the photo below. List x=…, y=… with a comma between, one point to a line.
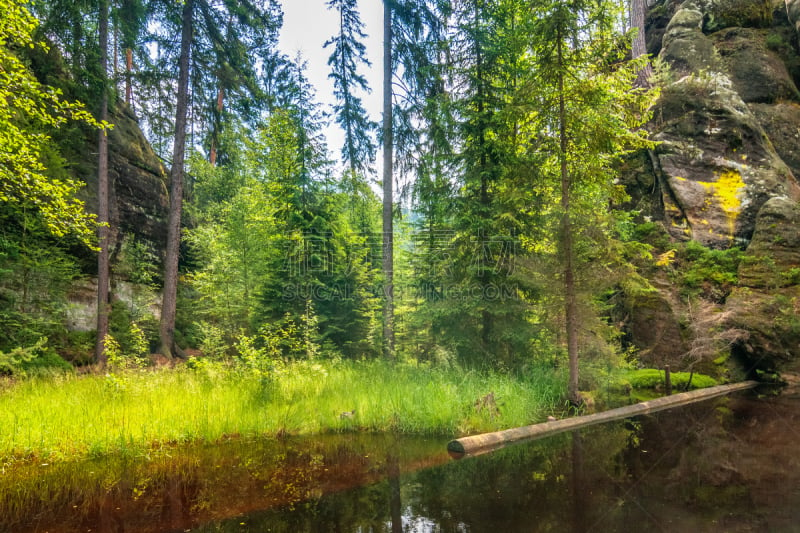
x=772, y=259
x=651, y=323
x=722, y=14
x=684, y=46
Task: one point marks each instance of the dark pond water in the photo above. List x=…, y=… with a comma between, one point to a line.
x=730, y=464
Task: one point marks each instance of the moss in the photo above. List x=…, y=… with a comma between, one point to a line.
x=739, y=13
x=653, y=379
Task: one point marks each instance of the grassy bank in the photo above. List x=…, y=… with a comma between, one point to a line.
x=132, y=412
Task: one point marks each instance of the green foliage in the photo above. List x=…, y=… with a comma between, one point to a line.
x=133, y=327
x=652, y=233
x=137, y=263
x=13, y=361
x=213, y=341
x=38, y=359
x=705, y=272
x=775, y=42
x=280, y=258
x=35, y=276
x=741, y=13
x=134, y=357
x=29, y=109
x=348, y=54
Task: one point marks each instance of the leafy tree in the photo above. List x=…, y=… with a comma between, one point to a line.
x=29, y=109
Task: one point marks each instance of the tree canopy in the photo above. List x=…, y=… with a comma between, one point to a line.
x=29, y=111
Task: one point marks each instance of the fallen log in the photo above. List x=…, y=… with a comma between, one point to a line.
x=486, y=442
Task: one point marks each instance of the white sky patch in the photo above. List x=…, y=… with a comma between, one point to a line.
x=307, y=24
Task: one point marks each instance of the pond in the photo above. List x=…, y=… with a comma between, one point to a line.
x=729, y=464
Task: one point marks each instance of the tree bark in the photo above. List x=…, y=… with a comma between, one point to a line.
x=169, y=298
x=128, y=74
x=212, y=156
x=638, y=13
x=388, y=163
x=570, y=296
x=103, y=229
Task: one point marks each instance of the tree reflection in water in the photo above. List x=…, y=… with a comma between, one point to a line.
x=715, y=466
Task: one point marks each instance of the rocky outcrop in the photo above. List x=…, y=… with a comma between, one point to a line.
x=724, y=174
x=715, y=163
x=138, y=201
x=766, y=304
x=758, y=74
x=651, y=321
x=782, y=121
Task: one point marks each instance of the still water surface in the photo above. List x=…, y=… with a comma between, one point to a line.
x=731, y=464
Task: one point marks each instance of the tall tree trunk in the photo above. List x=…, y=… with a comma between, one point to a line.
x=570, y=297
x=388, y=164
x=638, y=13
x=169, y=298
x=102, y=193
x=212, y=156
x=128, y=74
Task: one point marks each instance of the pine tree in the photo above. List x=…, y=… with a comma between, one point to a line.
x=203, y=41
x=593, y=115
x=388, y=177
x=349, y=53
x=169, y=298
x=102, y=194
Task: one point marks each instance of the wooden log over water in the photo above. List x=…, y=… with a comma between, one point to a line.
x=486, y=442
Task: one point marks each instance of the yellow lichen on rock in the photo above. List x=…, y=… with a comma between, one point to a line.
x=725, y=192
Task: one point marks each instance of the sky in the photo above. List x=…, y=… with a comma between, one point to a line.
x=307, y=24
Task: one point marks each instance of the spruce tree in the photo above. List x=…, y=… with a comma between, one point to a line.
x=348, y=55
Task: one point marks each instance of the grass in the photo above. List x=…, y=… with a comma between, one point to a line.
x=132, y=412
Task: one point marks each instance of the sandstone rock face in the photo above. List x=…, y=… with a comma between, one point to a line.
x=653, y=325
x=684, y=46
x=138, y=193
x=138, y=205
x=724, y=174
x=715, y=163
x=766, y=305
x=793, y=12
x=782, y=121
x=717, y=167
x=758, y=74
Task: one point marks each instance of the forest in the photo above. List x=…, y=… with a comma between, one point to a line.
x=552, y=207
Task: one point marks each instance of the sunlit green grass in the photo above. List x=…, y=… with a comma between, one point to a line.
x=75, y=416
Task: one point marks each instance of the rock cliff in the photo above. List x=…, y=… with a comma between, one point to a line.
x=725, y=175
x=726, y=90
